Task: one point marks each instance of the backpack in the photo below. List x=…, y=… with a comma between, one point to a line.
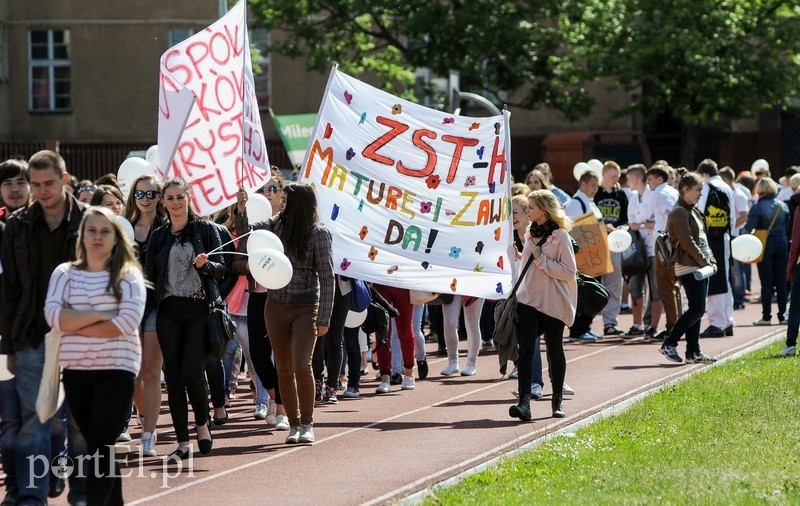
x=664, y=251
x=717, y=212
x=634, y=259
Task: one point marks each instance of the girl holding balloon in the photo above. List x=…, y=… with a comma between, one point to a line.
x=300, y=311
x=185, y=282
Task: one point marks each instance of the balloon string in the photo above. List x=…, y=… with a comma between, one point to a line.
x=232, y=240
x=231, y=253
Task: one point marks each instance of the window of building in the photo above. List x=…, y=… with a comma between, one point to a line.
x=50, y=71
x=262, y=69
x=177, y=35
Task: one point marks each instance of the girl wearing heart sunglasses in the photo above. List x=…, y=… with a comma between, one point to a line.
x=146, y=213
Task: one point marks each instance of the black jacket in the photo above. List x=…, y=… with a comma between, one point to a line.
x=204, y=237
x=18, y=307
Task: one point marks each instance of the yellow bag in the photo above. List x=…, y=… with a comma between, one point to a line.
x=763, y=233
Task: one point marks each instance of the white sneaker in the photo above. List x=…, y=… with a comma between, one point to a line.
x=514, y=374
x=260, y=413
x=763, y=322
x=383, y=388
x=469, y=370
x=306, y=434
x=408, y=383
x=451, y=369
x=124, y=437
x=567, y=390
x=281, y=422
x=148, y=447
x=271, y=413
x=789, y=351
x=536, y=391
x=294, y=435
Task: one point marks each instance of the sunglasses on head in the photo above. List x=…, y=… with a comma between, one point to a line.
x=150, y=194
x=87, y=188
x=268, y=189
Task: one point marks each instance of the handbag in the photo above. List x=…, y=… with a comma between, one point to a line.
x=51, y=392
x=221, y=330
x=360, y=296
x=592, y=296
x=762, y=234
x=505, y=311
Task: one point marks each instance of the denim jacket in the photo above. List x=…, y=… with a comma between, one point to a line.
x=761, y=214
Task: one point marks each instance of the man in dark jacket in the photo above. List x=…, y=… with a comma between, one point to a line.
x=36, y=240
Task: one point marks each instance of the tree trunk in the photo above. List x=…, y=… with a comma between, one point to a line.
x=689, y=146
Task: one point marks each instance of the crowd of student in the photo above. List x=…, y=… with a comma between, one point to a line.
x=130, y=311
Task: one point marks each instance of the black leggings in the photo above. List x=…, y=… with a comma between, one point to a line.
x=260, y=347
x=99, y=402
x=182, y=327
x=530, y=324
x=328, y=351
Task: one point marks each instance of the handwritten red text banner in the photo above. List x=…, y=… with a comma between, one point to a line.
x=209, y=127
x=414, y=197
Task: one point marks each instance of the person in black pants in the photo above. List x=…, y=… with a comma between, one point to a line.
x=328, y=350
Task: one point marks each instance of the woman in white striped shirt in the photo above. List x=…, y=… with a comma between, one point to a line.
x=97, y=303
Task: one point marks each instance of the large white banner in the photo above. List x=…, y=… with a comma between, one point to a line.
x=414, y=197
x=209, y=126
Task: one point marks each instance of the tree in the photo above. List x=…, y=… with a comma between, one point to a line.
x=512, y=51
x=701, y=61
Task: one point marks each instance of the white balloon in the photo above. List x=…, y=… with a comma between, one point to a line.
x=354, y=319
x=151, y=155
x=131, y=169
x=596, y=164
x=580, y=169
x=270, y=268
x=258, y=208
x=760, y=163
x=5, y=374
x=127, y=227
x=263, y=239
x=746, y=248
x=619, y=241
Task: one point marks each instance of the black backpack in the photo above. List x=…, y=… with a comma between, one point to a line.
x=634, y=259
x=717, y=212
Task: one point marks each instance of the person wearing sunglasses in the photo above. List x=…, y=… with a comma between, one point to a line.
x=85, y=191
x=146, y=213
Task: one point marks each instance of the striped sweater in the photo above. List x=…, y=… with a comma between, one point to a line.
x=86, y=291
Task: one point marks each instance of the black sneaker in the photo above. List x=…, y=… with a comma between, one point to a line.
x=713, y=331
x=422, y=369
x=396, y=379
x=635, y=332
x=611, y=330
x=660, y=337
x=671, y=353
x=650, y=333
x=700, y=358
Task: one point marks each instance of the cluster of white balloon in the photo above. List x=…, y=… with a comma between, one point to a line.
x=581, y=168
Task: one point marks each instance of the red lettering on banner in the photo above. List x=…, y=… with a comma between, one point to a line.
x=226, y=136
x=222, y=58
x=430, y=166
x=203, y=107
x=184, y=163
x=221, y=94
x=252, y=139
x=205, y=190
x=209, y=149
x=196, y=52
x=392, y=194
x=460, y=144
x=498, y=157
x=178, y=67
x=397, y=128
x=325, y=155
x=234, y=39
x=228, y=195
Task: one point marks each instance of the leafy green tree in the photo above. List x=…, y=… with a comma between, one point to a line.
x=511, y=51
x=701, y=61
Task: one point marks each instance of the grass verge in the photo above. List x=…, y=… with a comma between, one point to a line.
x=728, y=435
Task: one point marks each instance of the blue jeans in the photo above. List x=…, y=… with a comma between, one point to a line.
x=794, y=311
x=738, y=282
x=9, y=428
x=688, y=323
x=772, y=272
x=32, y=449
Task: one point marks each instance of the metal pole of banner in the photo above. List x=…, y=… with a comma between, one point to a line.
x=223, y=7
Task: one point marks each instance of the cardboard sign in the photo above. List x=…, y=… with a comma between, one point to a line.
x=209, y=127
x=594, y=257
x=414, y=197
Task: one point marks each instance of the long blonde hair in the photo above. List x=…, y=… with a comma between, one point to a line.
x=122, y=258
x=547, y=202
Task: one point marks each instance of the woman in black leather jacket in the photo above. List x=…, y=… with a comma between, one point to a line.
x=185, y=278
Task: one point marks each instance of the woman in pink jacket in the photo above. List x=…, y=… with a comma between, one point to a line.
x=547, y=297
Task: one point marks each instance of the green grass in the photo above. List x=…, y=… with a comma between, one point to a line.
x=729, y=435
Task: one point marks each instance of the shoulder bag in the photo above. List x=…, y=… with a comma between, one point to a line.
x=505, y=311
x=763, y=233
